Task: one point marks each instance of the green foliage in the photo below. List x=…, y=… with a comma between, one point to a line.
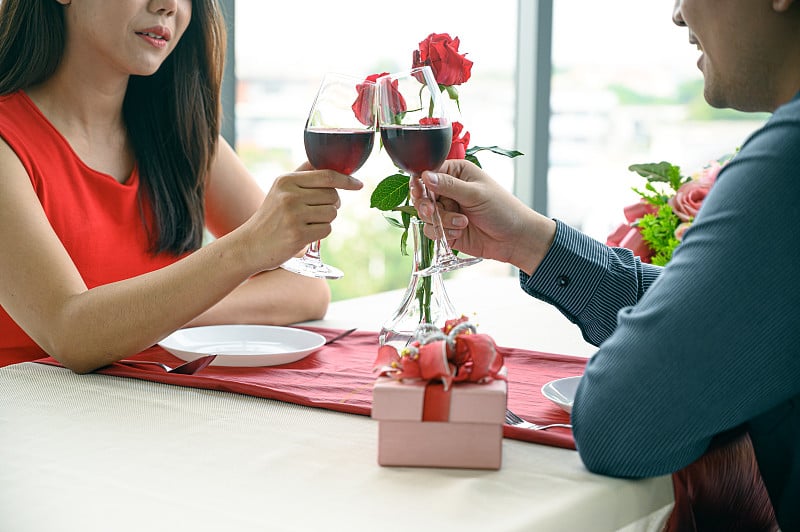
x=471, y=151
x=663, y=181
x=393, y=194
x=494, y=149
x=370, y=261
x=658, y=230
x=390, y=193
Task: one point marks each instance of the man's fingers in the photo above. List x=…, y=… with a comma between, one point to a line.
x=444, y=185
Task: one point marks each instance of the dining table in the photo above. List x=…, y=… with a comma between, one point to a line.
x=107, y=451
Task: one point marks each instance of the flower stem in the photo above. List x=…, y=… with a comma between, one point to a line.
x=424, y=294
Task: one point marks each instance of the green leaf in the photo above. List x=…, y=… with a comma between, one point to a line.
x=472, y=150
x=471, y=158
x=652, y=196
x=451, y=90
x=390, y=193
x=404, y=237
x=393, y=222
x=662, y=172
x=406, y=210
x=404, y=243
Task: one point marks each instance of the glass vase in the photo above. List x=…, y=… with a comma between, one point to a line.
x=425, y=300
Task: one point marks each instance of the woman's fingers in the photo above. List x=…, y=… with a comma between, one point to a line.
x=326, y=179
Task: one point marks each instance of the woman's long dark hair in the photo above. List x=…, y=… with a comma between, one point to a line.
x=173, y=117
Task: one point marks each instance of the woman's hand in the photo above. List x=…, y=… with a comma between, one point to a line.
x=298, y=209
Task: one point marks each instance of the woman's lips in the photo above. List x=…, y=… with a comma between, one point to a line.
x=154, y=41
x=157, y=36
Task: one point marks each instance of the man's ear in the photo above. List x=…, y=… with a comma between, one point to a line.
x=782, y=5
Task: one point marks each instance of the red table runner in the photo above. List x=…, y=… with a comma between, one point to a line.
x=339, y=377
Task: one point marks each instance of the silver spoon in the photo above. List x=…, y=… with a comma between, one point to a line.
x=187, y=368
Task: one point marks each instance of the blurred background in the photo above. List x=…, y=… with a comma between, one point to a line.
x=617, y=93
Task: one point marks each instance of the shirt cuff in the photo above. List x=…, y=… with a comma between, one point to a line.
x=570, y=273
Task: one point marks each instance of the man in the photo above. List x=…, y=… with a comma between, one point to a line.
x=706, y=347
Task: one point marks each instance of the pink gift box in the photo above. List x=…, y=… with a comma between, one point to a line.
x=472, y=436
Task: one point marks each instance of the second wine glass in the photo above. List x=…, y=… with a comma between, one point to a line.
x=417, y=133
x=339, y=135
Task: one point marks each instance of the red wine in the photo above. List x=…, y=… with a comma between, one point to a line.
x=343, y=150
x=417, y=148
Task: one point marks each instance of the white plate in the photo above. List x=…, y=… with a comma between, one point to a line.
x=562, y=391
x=243, y=345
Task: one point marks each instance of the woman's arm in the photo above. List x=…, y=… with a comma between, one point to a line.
x=271, y=297
x=44, y=293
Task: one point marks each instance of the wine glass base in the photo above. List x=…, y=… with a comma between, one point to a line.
x=312, y=269
x=447, y=265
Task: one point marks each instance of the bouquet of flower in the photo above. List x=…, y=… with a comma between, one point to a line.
x=450, y=68
x=669, y=202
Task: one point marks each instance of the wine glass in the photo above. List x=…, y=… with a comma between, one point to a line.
x=417, y=133
x=338, y=135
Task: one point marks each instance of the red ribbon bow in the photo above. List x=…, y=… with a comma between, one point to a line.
x=454, y=354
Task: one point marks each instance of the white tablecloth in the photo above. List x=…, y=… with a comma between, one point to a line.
x=101, y=453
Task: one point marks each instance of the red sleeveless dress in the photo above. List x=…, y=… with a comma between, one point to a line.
x=100, y=221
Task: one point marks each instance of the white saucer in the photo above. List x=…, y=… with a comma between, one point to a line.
x=243, y=345
x=562, y=391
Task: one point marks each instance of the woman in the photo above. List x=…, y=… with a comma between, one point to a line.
x=111, y=167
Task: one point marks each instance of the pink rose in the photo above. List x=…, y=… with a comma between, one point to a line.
x=710, y=172
x=681, y=229
x=688, y=199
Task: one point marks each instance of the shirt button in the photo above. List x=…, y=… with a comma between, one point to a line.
x=563, y=281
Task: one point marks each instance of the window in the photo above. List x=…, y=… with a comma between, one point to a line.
x=616, y=94
x=280, y=61
x=625, y=93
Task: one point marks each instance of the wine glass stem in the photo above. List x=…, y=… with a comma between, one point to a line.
x=312, y=253
x=443, y=250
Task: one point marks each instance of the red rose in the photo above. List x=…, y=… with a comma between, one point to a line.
x=429, y=121
x=616, y=236
x=629, y=236
x=440, y=52
x=637, y=210
x=625, y=236
x=458, y=149
x=633, y=241
x=364, y=106
x=396, y=102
